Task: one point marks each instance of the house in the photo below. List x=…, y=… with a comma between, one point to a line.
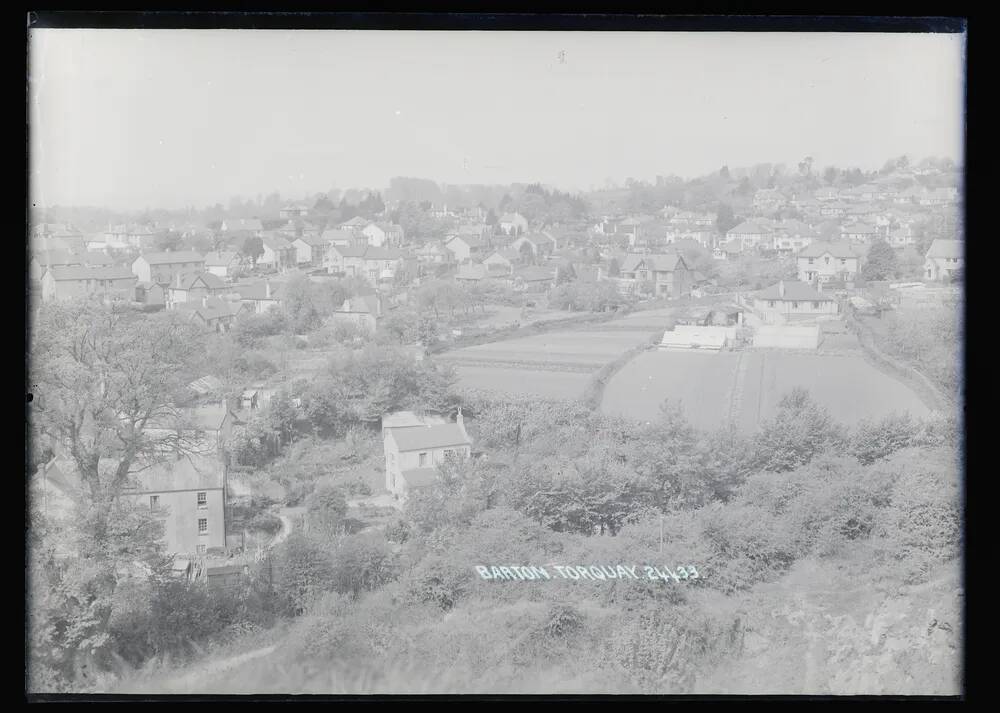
x=792, y=235
x=190, y=288
x=206, y=428
x=214, y=313
x=702, y=235
x=76, y=282
x=513, y=224
x=858, y=232
x=354, y=225
x=532, y=279
x=383, y=235
x=434, y=253
x=296, y=210
x=834, y=209
x=188, y=495
x=363, y=312
x=823, y=262
x=243, y=226
x=668, y=273
x=373, y=264
x=278, y=253
x=539, y=245
x=750, y=234
x=310, y=249
x=466, y=247
x=259, y=297
x=413, y=453
x=791, y=300
x=939, y=196
x=150, y=295
x=728, y=250
x=163, y=267
x=826, y=194
x=502, y=261
x=902, y=236
x=45, y=259
x=768, y=199
x=139, y=237
x=341, y=238
x=944, y=258
x=224, y=264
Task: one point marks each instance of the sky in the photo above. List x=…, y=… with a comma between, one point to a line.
x=130, y=119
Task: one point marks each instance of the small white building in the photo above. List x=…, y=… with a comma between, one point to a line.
x=414, y=447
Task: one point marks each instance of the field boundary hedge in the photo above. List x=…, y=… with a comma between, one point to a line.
x=925, y=388
x=593, y=394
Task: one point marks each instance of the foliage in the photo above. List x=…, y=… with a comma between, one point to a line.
x=880, y=263
x=800, y=430
x=326, y=510
x=303, y=570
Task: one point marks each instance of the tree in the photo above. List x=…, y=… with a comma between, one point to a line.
x=303, y=571
x=805, y=166
x=725, y=219
x=724, y=173
x=302, y=305
x=253, y=247
x=170, y=240
x=104, y=374
x=830, y=175
x=326, y=510
x=881, y=263
x=800, y=430
x=614, y=269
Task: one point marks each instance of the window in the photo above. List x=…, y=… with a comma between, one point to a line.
x=815, y=305
x=795, y=305
x=843, y=261
x=827, y=261
x=373, y=274
x=202, y=500
x=770, y=303
x=200, y=549
x=449, y=453
x=810, y=261
x=422, y=459
x=154, y=502
x=202, y=525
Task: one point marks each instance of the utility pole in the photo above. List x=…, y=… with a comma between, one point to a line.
x=661, y=534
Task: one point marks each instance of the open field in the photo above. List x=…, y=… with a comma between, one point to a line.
x=747, y=386
x=546, y=384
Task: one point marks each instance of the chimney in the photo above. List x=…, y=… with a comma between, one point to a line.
x=267, y=289
x=204, y=301
x=781, y=288
x=177, y=279
x=460, y=419
x=819, y=284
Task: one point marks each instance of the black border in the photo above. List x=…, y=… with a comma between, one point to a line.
x=601, y=20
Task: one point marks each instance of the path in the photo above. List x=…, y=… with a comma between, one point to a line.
x=213, y=668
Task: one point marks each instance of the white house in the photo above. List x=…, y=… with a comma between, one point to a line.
x=412, y=453
x=511, y=223
x=224, y=264
x=943, y=259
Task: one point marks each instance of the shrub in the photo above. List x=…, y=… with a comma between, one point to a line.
x=302, y=571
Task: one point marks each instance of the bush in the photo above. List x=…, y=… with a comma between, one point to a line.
x=303, y=570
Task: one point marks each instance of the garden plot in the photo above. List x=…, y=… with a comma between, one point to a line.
x=746, y=387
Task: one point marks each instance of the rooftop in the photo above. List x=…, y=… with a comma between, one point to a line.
x=945, y=249
x=433, y=436
x=172, y=258
x=795, y=291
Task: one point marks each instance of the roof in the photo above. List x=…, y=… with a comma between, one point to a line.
x=945, y=249
x=275, y=242
x=473, y=241
x=313, y=239
x=356, y=221
x=409, y=419
x=373, y=253
x=212, y=282
x=436, y=436
x=507, y=254
x=58, y=257
x=349, y=250
x=666, y=262
x=511, y=217
x=186, y=473
x=795, y=291
x=858, y=229
x=331, y=234
x=220, y=259
x=820, y=248
x=77, y=272
x=96, y=259
x=206, y=384
x=171, y=258
x=213, y=308
x=419, y=477
x=749, y=227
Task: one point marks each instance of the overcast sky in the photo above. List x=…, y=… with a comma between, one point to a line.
x=167, y=118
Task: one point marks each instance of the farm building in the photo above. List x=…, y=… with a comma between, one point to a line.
x=692, y=336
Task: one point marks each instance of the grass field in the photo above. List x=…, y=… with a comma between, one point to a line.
x=747, y=386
